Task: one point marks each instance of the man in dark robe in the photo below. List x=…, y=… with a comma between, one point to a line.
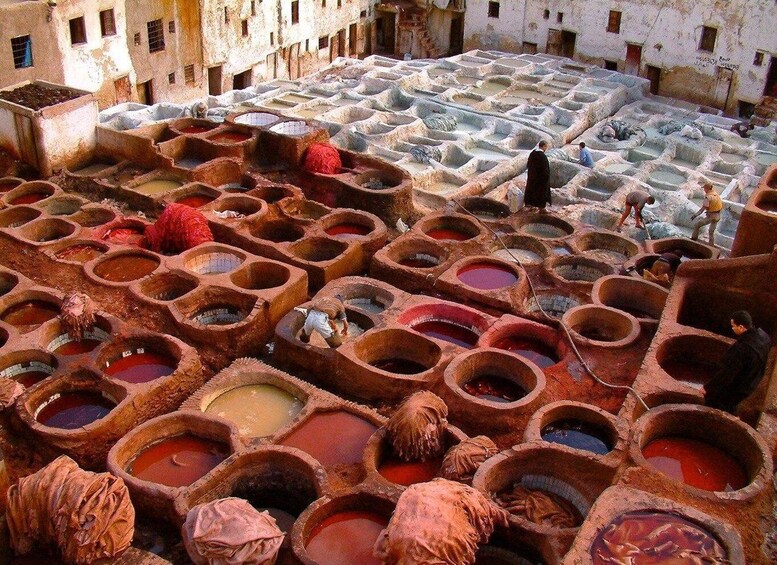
x=538, y=178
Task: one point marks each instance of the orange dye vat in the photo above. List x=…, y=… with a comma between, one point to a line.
x=346, y=537
x=178, y=461
x=334, y=438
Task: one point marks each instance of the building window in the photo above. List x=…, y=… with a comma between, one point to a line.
x=758, y=60
x=226, y=15
x=493, y=9
x=611, y=65
x=560, y=17
x=614, y=22
x=137, y=39
x=272, y=38
x=295, y=12
x=171, y=78
x=21, y=47
x=339, y=3
x=708, y=36
x=323, y=42
x=77, y=31
x=244, y=27
x=363, y=14
x=156, y=36
x=188, y=74
x=107, y=23
x=323, y=3
x=745, y=109
x=171, y=27
x=546, y=14
x=307, y=45
x=253, y=8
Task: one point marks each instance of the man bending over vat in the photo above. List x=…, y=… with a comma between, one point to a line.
x=742, y=367
x=323, y=318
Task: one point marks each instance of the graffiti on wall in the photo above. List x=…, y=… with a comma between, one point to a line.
x=704, y=61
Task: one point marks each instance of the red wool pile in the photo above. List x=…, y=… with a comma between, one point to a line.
x=322, y=158
x=179, y=228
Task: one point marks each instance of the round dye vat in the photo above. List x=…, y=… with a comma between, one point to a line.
x=126, y=268
x=27, y=316
x=535, y=351
x=448, y=331
x=219, y=316
x=178, y=461
x=194, y=129
x=399, y=366
x=153, y=187
x=31, y=378
x=348, y=230
x=195, y=200
x=577, y=434
x=636, y=312
x=80, y=253
x=409, y=473
x=30, y=198
x=140, y=367
x=346, y=538
x=694, y=372
x=494, y=389
x=647, y=538
x=368, y=305
x=420, y=261
x=695, y=463
x=230, y=137
x=74, y=347
x=448, y=234
x=258, y=410
x=73, y=410
x=333, y=438
x=486, y=276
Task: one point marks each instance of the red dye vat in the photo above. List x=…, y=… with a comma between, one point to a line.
x=194, y=129
x=77, y=347
x=27, y=316
x=178, y=461
x=31, y=378
x=346, y=538
x=230, y=137
x=75, y=409
x=448, y=331
x=80, y=253
x=30, y=198
x=348, y=230
x=409, y=473
x=531, y=349
x=486, y=276
x=695, y=463
x=126, y=268
x=399, y=366
x=141, y=367
x=448, y=234
x=494, y=388
x=195, y=200
x=5, y=186
x=334, y=438
x=691, y=371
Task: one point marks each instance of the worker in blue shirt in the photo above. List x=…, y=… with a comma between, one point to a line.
x=585, y=156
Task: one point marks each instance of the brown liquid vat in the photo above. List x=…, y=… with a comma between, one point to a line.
x=8, y=281
x=39, y=190
x=27, y=363
x=643, y=299
x=691, y=249
x=162, y=288
x=91, y=216
x=717, y=428
x=122, y=267
x=274, y=193
x=9, y=183
x=63, y=205
x=277, y=231
x=482, y=416
x=485, y=209
x=27, y=309
x=18, y=216
x=601, y=326
x=261, y=275
x=163, y=347
x=318, y=249
x=46, y=230
x=689, y=360
x=157, y=499
x=441, y=227
x=77, y=251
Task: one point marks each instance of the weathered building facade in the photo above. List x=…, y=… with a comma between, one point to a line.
x=718, y=53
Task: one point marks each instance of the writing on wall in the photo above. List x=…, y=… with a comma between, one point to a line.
x=704, y=61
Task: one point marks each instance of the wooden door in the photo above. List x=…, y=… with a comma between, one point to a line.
x=633, y=59
x=214, y=80
x=25, y=137
x=123, y=90
x=553, y=46
x=654, y=76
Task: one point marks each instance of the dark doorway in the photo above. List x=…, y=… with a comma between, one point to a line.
x=146, y=92
x=457, y=36
x=214, y=80
x=771, y=79
x=341, y=43
x=568, y=43
x=553, y=47
x=241, y=80
x=386, y=24
x=272, y=66
x=633, y=59
x=654, y=76
x=353, y=40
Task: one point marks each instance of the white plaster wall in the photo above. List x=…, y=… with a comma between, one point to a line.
x=67, y=136
x=744, y=26
x=8, y=138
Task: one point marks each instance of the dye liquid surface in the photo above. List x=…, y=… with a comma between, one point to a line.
x=347, y=230
x=77, y=347
x=195, y=200
x=126, y=268
x=409, y=473
x=178, y=461
x=535, y=351
x=485, y=276
x=80, y=253
x=448, y=235
x=346, y=538
x=448, y=331
x=334, y=438
x=577, y=434
x=258, y=410
x=74, y=410
x=140, y=367
x=399, y=366
x=695, y=463
x=26, y=316
x=494, y=388
x=30, y=198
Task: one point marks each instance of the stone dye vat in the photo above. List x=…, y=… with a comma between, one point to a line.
x=258, y=410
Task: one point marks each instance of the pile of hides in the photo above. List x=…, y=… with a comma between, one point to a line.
x=416, y=429
x=439, y=522
x=88, y=515
x=616, y=130
x=462, y=460
x=440, y=122
x=179, y=228
x=77, y=315
x=230, y=531
x=425, y=154
x=122, y=231
x=538, y=506
x=322, y=158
